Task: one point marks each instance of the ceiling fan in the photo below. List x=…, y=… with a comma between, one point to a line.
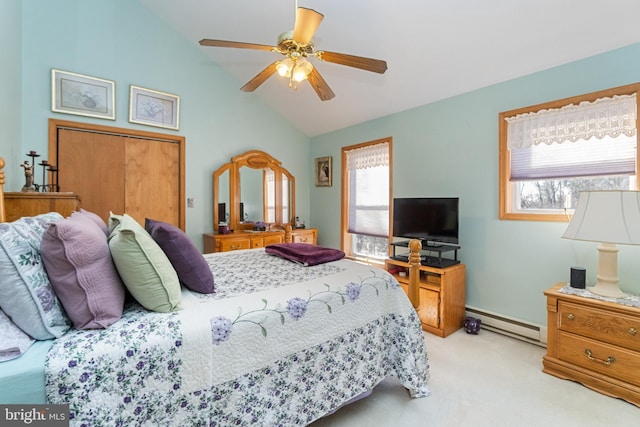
x=296, y=46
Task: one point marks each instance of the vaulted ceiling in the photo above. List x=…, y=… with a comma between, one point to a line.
x=435, y=49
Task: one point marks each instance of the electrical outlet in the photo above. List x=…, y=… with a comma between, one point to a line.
x=190, y=202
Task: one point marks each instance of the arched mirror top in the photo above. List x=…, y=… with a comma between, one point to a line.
x=256, y=159
x=273, y=203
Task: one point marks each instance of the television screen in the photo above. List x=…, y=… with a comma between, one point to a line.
x=431, y=219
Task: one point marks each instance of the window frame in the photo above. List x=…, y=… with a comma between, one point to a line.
x=345, y=236
x=506, y=194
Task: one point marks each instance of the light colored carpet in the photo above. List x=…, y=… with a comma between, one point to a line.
x=486, y=380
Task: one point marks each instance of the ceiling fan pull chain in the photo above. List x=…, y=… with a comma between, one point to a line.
x=292, y=83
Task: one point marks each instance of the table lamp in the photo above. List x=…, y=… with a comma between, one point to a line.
x=611, y=218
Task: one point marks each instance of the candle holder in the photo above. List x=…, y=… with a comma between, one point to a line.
x=43, y=188
x=30, y=185
x=53, y=186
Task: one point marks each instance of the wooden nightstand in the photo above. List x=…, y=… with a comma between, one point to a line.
x=594, y=342
x=19, y=204
x=305, y=235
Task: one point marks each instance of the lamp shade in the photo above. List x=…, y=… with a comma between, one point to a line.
x=606, y=216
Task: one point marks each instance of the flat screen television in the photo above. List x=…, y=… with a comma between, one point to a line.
x=430, y=219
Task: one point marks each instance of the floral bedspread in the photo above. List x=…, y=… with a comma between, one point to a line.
x=278, y=344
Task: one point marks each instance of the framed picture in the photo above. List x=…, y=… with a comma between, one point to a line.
x=73, y=93
x=323, y=171
x=154, y=108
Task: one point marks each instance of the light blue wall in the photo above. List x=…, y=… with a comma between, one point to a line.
x=10, y=81
x=450, y=148
x=121, y=40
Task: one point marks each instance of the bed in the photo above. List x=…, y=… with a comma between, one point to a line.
x=276, y=343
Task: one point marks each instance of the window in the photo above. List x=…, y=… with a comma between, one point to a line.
x=551, y=152
x=366, y=192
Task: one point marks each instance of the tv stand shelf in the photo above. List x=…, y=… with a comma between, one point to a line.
x=440, y=299
x=428, y=259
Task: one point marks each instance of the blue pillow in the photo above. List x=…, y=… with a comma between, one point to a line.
x=26, y=295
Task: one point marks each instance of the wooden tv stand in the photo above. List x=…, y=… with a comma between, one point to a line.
x=438, y=294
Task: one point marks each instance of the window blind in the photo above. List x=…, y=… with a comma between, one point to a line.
x=368, y=172
x=589, y=139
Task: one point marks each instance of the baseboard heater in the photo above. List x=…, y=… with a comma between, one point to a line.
x=509, y=326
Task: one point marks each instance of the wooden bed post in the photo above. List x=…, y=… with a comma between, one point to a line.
x=287, y=233
x=2, y=214
x=415, y=246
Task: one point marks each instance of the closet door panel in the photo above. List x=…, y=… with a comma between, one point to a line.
x=152, y=187
x=91, y=165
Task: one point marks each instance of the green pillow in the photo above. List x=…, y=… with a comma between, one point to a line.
x=143, y=267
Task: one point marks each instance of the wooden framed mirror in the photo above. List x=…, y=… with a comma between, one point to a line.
x=253, y=187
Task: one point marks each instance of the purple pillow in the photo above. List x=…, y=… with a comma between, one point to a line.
x=93, y=217
x=304, y=253
x=78, y=261
x=193, y=270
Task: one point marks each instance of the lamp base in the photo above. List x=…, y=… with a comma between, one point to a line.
x=610, y=290
x=607, y=277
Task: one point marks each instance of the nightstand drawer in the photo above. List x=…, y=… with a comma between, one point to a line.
x=614, y=328
x=614, y=362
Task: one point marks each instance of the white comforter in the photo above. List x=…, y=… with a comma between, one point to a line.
x=277, y=344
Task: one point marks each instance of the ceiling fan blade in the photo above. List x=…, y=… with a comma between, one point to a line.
x=320, y=85
x=260, y=78
x=367, y=64
x=241, y=45
x=307, y=22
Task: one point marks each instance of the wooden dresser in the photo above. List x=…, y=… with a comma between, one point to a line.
x=216, y=242
x=19, y=204
x=594, y=342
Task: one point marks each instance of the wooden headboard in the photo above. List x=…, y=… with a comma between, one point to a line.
x=2, y=217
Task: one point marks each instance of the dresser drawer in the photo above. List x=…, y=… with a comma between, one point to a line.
x=614, y=328
x=257, y=242
x=270, y=240
x=612, y=361
x=235, y=244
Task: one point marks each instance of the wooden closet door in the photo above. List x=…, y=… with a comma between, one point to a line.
x=152, y=183
x=92, y=166
x=121, y=170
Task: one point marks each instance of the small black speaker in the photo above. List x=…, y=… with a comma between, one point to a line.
x=222, y=212
x=578, y=276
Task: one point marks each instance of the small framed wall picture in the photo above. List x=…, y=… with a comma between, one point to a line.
x=154, y=108
x=73, y=93
x=323, y=171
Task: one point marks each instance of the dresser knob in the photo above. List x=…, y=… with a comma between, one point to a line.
x=633, y=331
x=571, y=316
x=607, y=362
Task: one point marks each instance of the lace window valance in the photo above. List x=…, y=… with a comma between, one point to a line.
x=368, y=157
x=610, y=116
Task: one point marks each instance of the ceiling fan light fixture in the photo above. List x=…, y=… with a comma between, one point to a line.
x=301, y=70
x=284, y=67
x=296, y=46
